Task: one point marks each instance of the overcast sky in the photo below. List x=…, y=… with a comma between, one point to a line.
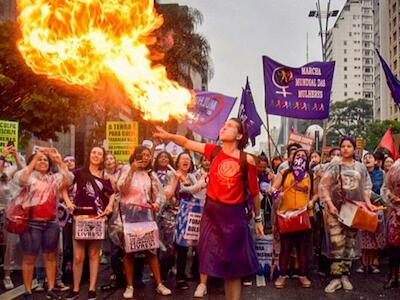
x=240, y=32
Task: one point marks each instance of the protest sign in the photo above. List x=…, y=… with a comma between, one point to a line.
x=141, y=236
x=89, y=228
x=188, y=218
x=305, y=141
x=8, y=133
x=192, y=231
x=359, y=148
x=122, y=137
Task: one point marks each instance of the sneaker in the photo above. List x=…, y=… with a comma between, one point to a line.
x=52, y=295
x=91, y=295
x=360, y=270
x=201, y=291
x=334, y=285
x=28, y=296
x=128, y=294
x=280, y=282
x=61, y=287
x=304, y=281
x=72, y=295
x=163, y=290
x=247, y=282
x=8, y=284
x=346, y=283
x=40, y=287
x=375, y=270
x=182, y=285
x=103, y=260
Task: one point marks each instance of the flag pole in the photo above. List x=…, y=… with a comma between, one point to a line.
x=324, y=137
x=269, y=139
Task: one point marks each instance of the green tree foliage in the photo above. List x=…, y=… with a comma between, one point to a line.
x=376, y=130
x=42, y=106
x=346, y=118
x=184, y=49
x=349, y=118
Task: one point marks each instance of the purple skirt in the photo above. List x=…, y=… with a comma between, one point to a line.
x=226, y=247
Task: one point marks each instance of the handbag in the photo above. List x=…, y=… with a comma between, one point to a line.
x=355, y=214
x=17, y=216
x=294, y=220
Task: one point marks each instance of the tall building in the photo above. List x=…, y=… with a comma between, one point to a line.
x=8, y=10
x=394, y=54
x=350, y=44
x=381, y=42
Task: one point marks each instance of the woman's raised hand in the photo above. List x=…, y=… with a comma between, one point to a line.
x=161, y=133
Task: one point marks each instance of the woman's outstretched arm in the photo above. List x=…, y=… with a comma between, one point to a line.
x=179, y=140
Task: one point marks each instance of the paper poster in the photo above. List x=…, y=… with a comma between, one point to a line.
x=122, y=137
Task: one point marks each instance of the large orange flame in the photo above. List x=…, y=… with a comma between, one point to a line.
x=81, y=41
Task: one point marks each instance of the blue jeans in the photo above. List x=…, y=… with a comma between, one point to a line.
x=42, y=235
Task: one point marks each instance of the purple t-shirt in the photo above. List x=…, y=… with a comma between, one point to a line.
x=93, y=198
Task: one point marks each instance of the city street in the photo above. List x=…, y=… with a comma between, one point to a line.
x=228, y=137
x=365, y=287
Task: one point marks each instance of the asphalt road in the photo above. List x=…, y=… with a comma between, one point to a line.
x=365, y=287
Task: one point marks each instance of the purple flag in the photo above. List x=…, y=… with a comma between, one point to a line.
x=392, y=81
x=301, y=93
x=209, y=113
x=248, y=114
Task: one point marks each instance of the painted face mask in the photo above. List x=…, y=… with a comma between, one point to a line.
x=299, y=168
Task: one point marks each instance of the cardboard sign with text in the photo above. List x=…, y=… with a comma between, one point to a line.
x=122, y=137
x=305, y=141
x=359, y=148
x=141, y=236
x=8, y=132
x=89, y=228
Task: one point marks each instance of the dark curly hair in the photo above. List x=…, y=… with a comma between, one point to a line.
x=156, y=165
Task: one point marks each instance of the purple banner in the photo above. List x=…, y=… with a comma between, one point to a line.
x=209, y=113
x=301, y=93
x=392, y=82
x=248, y=114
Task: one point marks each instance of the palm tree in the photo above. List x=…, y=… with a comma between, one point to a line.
x=184, y=49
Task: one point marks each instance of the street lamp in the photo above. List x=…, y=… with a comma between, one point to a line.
x=323, y=35
x=320, y=15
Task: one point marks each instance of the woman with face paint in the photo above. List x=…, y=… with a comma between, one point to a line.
x=295, y=184
x=43, y=231
x=226, y=248
x=343, y=179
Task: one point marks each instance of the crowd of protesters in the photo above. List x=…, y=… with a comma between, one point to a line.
x=239, y=198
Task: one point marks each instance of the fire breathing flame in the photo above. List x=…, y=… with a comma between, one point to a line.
x=81, y=41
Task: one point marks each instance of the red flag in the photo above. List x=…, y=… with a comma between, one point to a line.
x=387, y=143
